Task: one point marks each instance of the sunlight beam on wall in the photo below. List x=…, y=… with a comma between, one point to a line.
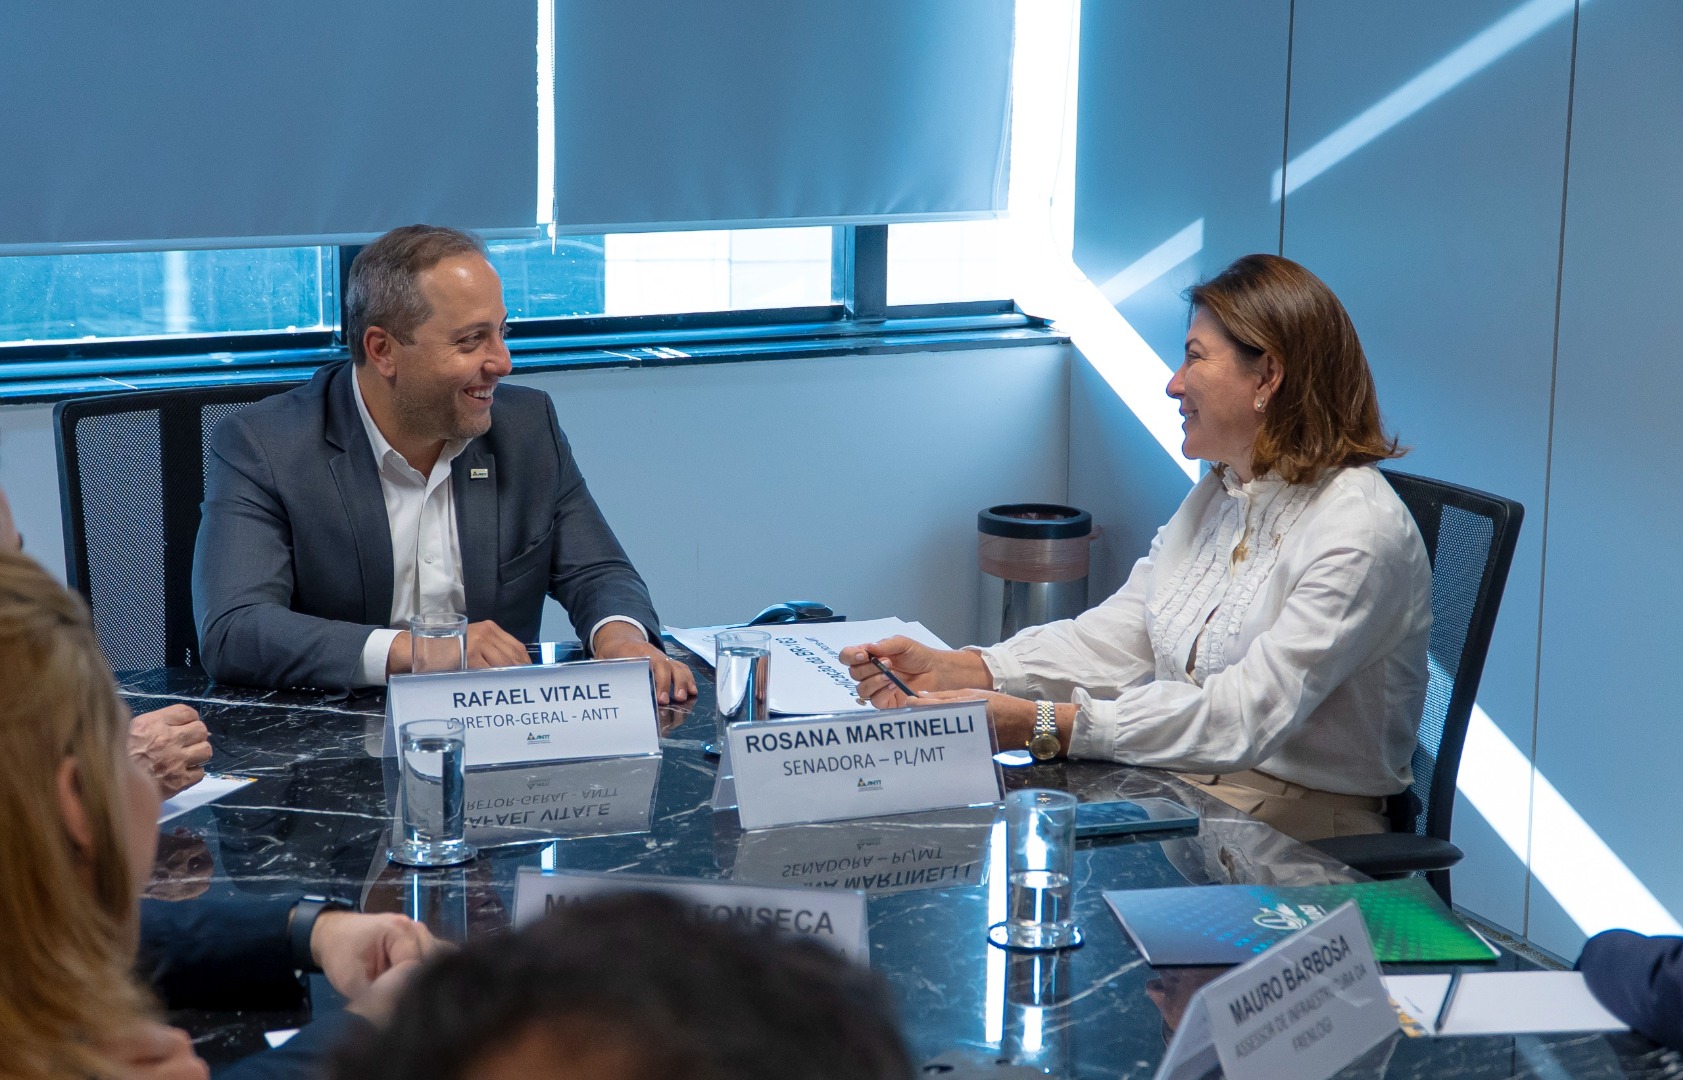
x=1155, y=263
x=1484, y=48
x=1585, y=876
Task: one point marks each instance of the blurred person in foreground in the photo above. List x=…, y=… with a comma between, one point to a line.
x=628, y=988
x=171, y=742
x=1271, y=646
x=78, y=831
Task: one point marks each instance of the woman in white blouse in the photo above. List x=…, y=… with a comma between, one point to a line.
x=1271, y=646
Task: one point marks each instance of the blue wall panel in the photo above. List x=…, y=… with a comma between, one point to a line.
x=1181, y=113
x=1441, y=235
x=1610, y=729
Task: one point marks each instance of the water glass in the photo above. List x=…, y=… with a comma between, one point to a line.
x=1039, y=869
x=438, y=642
x=429, y=826
x=741, y=666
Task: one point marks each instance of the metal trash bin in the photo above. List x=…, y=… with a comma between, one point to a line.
x=1033, y=559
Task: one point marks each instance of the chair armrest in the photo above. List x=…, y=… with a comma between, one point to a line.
x=1390, y=854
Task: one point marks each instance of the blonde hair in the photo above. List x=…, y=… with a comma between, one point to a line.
x=67, y=954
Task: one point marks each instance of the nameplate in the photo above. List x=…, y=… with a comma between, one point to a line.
x=863, y=765
x=941, y=849
x=515, y=715
x=519, y=804
x=834, y=917
x=1303, y=1010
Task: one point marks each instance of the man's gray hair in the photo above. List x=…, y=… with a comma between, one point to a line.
x=382, y=291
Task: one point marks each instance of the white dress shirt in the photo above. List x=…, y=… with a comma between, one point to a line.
x=426, y=547
x=1310, y=639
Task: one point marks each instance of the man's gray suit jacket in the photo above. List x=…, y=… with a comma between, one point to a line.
x=293, y=567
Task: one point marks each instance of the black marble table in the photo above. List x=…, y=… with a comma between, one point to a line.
x=316, y=819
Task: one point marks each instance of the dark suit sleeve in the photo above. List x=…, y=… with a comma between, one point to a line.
x=305, y=1055
x=242, y=581
x=219, y=954
x=590, y=574
x=1640, y=980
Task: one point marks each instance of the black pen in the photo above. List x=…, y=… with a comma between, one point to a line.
x=1448, y=1000
x=902, y=687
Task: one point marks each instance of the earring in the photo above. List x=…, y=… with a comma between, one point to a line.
x=1261, y=403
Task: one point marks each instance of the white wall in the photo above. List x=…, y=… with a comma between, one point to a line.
x=853, y=480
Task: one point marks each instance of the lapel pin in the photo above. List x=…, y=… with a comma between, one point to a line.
x=479, y=474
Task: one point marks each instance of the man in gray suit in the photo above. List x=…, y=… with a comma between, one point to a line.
x=407, y=481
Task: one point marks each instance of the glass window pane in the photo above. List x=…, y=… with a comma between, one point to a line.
x=655, y=273
x=48, y=298
x=937, y=262
x=545, y=280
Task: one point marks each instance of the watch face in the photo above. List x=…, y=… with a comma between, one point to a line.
x=1044, y=746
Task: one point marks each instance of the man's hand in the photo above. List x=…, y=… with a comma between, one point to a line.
x=173, y=744
x=151, y=1051
x=916, y=664
x=621, y=641
x=489, y=645
x=376, y=1004
x=354, y=950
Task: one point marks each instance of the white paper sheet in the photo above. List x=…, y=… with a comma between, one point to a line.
x=279, y=1038
x=807, y=678
x=211, y=788
x=1504, y=1003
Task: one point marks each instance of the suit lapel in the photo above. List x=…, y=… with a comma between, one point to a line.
x=358, y=481
x=473, y=475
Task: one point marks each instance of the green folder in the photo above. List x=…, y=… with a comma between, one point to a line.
x=1229, y=924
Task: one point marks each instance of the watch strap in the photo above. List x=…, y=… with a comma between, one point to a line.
x=304, y=916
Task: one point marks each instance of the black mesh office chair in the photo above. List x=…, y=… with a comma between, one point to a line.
x=1470, y=537
x=132, y=475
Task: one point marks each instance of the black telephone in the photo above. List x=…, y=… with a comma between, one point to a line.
x=793, y=611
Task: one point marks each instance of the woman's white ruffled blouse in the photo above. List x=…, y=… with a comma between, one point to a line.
x=1310, y=639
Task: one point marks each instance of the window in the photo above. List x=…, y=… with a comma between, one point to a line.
x=661, y=273
x=938, y=262
x=66, y=298
x=544, y=280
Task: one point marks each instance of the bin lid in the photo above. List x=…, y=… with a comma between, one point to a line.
x=1035, y=521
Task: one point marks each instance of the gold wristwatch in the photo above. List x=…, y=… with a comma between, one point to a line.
x=1043, y=740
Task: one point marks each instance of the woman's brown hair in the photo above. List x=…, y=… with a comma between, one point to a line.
x=1325, y=413
x=67, y=953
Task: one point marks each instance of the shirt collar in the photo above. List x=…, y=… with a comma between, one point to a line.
x=384, y=452
x=1258, y=484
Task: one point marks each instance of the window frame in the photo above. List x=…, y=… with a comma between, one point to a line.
x=859, y=321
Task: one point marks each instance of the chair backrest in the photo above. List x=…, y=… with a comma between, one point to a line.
x=1470, y=537
x=131, y=478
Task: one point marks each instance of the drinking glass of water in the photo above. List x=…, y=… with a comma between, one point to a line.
x=741, y=666
x=429, y=825
x=438, y=642
x=1039, y=868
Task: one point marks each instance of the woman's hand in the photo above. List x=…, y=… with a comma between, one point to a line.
x=915, y=664
x=1012, y=718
